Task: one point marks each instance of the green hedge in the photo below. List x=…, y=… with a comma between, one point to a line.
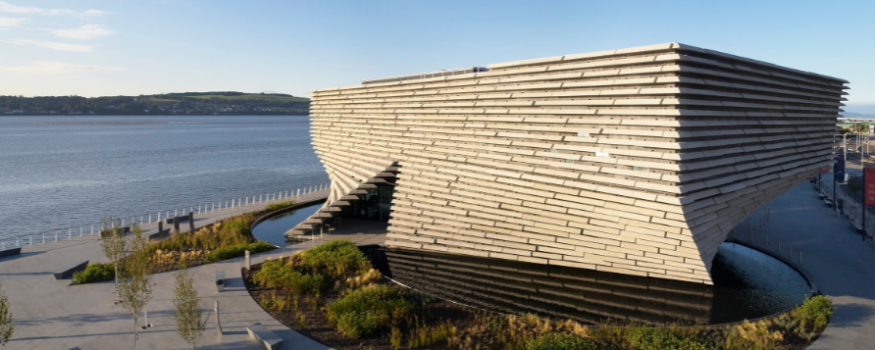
x=650, y=338
x=96, y=272
x=237, y=250
x=816, y=310
x=336, y=257
x=366, y=311
x=558, y=341
x=280, y=205
x=276, y=274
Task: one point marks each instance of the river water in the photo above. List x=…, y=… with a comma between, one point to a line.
x=65, y=171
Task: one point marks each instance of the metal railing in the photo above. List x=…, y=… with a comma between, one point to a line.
x=25, y=240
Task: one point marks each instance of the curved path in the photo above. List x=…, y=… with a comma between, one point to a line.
x=833, y=254
x=52, y=314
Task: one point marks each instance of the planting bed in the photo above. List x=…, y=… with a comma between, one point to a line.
x=414, y=320
x=318, y=328
x=218, y=241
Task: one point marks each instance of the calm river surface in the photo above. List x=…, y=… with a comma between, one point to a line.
x=63, y=171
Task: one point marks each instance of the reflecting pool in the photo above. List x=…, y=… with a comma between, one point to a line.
x=273, y=229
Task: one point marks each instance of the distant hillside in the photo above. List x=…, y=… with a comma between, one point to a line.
x=857, y=115
x=184, y=103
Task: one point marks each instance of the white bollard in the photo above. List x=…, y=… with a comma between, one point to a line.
x=247, y=260
x=92, y=229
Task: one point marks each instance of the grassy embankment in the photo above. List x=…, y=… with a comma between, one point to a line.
x=331, y=294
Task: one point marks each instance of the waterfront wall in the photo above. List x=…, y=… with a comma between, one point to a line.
x=636, y=161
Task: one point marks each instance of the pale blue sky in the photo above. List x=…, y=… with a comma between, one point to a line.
x=115, y=47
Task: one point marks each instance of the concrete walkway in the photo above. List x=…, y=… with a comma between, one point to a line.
x=833, y=254
x=52, y=314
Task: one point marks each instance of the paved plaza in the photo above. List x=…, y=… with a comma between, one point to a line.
x=52, y=314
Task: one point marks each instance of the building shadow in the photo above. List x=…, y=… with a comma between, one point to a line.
x=851, y=315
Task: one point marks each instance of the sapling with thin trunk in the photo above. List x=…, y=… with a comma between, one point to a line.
x=135, y=283
x=113, y=241
x=190, y=323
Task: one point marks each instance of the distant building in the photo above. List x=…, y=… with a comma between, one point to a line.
x=636, y=161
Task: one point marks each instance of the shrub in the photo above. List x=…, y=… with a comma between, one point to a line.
x=559, y=341
x=275, y=274
x=336, y=257
x=753, y=336
x=817, y=310
x=236, y=250
x=280, y=205
x=96, y=272
x=649, y=338
x=366, y=311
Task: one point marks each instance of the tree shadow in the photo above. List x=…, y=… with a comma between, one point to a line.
x=74, y=319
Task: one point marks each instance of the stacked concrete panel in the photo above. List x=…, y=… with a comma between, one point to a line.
x=589, y=297
x=636, y=161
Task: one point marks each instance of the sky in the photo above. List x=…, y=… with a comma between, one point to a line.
x=133, y=47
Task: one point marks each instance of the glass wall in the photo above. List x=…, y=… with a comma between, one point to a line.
x=374, y=205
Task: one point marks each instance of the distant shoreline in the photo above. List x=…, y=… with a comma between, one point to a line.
x=102, y=123
x=150, y=115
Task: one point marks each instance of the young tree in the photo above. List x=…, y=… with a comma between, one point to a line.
x=135, y=283
x=6, y=324
x=113, y=241
x=189, y=321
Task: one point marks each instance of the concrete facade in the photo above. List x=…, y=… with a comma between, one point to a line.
x=636, y=161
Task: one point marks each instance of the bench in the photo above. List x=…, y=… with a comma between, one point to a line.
x=68, y=272
x=264, y=336
x=10, y=252
x=857, y=226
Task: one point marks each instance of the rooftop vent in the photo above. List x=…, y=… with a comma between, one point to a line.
x=440, y=73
